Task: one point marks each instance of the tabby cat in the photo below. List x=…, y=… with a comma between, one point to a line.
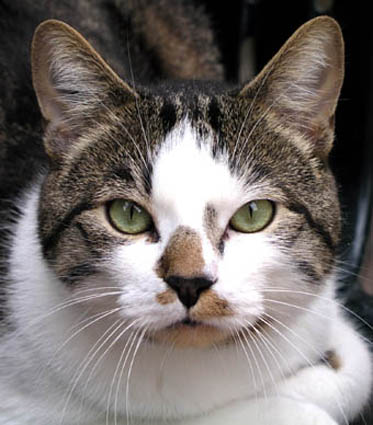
x=168, y=252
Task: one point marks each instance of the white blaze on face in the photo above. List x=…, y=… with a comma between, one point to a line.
x=186, y=178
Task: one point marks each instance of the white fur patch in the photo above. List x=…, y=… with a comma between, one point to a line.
x=186, y=178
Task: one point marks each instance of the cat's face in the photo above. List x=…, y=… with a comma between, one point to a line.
x=193, y=213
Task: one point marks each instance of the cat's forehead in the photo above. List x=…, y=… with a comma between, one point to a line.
x=188, y=176
x=202, y=135
x=237, y=131
x=204, y=103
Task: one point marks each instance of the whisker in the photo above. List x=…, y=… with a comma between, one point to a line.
x=271, y=349
x=130, y=371
x=247, y=115
x=122, y=372
x=252, y=130
x=137, y=103
x=71, y=302
x=343, y=307
x=316, y=313
x=165, y=357
x=112, y=344
x=101, y=316
x=264, y=360
x=242, y=345
x=95, y=349
x=128, y=341
x=320, y=355
x=97, y=318
x=81, y=369
x=255, y=361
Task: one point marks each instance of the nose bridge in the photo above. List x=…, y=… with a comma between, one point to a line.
x=183, y=255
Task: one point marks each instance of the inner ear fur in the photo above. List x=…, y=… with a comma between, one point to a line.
x=303, y=80
x=71, y=80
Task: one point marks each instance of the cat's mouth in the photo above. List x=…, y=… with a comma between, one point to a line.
x=191, y=333
x=189, y=322
x=197, y=328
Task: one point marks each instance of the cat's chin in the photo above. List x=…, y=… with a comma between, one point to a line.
x=192, y=334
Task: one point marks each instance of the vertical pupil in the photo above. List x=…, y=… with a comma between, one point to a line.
x=132, y=211
x=253, y=208
x=250, y=210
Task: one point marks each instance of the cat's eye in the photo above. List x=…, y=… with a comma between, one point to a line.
x=253, y=216
x=128, y=217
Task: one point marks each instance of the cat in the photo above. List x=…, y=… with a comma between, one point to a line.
x=169, y=249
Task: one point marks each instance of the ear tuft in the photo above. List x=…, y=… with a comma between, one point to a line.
x=302, y=82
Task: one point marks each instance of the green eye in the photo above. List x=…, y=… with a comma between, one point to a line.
x=128, y=217
x=253, y=216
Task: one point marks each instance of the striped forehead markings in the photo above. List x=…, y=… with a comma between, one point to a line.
x=214, y=114
x=168, y=116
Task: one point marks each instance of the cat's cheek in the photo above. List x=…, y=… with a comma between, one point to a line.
x=144, y=296
x=246, y=268
x=260, y=282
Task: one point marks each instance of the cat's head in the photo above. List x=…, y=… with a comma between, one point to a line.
x=190, y=211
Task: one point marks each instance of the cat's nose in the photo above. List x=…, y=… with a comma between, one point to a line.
x=188, y=289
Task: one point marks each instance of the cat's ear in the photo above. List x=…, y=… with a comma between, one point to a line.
x=71, y=81
x=302, y=82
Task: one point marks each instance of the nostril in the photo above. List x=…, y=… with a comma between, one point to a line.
x=188, y=289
